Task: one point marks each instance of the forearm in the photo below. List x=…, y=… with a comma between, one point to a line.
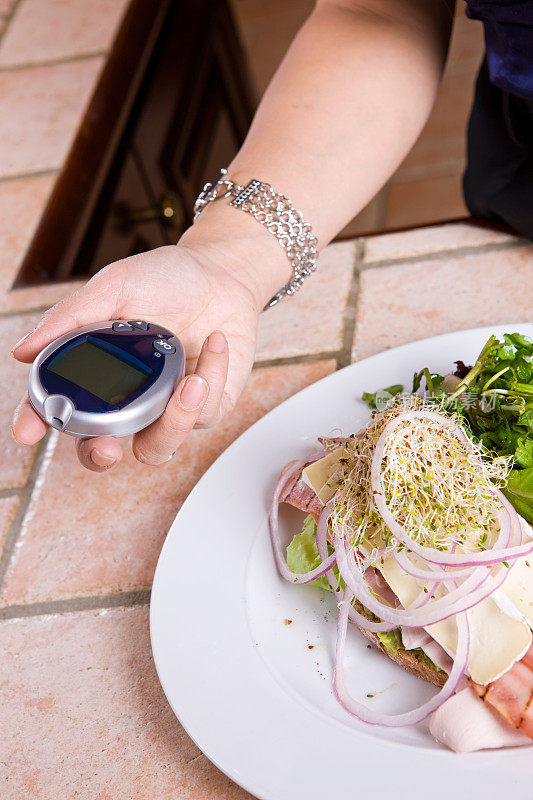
x=343, y=110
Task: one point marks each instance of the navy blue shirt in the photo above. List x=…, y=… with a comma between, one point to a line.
x=508, y=28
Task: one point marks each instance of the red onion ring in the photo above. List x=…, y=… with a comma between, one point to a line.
x=471, y=592
x=425, y=575
x=497, y=555
x=477, y=583
x=424, y=597
x=321, y=541
x=372, y=717
x=322, y=544
x=273, y=521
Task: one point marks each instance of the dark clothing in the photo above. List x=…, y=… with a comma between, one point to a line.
x=498, y=182
x=508, y=26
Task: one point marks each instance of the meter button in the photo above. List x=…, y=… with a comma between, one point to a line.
x=121, y=327
x=139, y=323
x=163, y=347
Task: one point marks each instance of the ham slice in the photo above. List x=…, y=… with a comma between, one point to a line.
x=415, y=637
x=298, y=494
x=511, y=695
x=379, y=585
x=440, y=657
x=464, y=723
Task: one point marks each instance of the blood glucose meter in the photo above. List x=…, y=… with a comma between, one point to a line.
x=106, y=379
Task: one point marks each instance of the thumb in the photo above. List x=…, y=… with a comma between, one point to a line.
x=97, y=300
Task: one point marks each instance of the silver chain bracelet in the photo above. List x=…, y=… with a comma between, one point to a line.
x=278, y=215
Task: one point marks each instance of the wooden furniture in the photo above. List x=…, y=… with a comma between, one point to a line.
x=171, y=107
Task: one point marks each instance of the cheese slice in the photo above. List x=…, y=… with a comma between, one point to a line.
x=317, y=475
x=518, y=586
x=499, y=635
x=499, y=631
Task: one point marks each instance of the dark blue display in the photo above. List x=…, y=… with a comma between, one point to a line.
x=135, y=349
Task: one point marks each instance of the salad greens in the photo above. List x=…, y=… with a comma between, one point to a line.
x=302, y=553
x=374, y=398
x=519, y=491
x=495, y=399
x=302, y=556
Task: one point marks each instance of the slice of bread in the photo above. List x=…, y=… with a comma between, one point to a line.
x=413, y=661
x=410, y=660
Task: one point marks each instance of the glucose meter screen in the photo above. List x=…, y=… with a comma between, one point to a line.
x=99, y=372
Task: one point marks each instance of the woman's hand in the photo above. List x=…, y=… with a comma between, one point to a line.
x=185, y=288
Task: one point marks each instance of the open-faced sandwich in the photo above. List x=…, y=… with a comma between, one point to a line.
x=411, y=523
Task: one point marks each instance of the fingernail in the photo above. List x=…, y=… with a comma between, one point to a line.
x=20, y=341
x=101, y=460
x=216, y=343
x=193, y=392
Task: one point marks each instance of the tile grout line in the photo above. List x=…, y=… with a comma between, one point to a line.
x=8, y=18
x=29, y=494
x=439, y=254
x=305, y=358
x=20, y=176
x=24, y=311
x=345, y=356
x=53, y=62
x=70, y=605
x=12, y=491
x=361, y=267
x=35, y=481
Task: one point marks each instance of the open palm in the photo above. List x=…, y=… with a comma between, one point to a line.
x=206, y=306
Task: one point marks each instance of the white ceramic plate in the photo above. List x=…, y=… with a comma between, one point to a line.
x=248, y=688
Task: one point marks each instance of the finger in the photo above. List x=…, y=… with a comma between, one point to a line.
x=213, y=366
x=241, y=360
x=96, y=300
x=99, y=454
x=157, y=443
x=27, y=427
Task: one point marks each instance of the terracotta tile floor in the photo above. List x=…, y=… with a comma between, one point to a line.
x=405, y=302
x=57, y=30
x=22, y=202
x=6, y=6
x=307, y=329
x=40, y=108
x=111, y=540
x=8, y=509
x=84, y=715
x=16, y=461
x=422, y=241
x=94, y=545
x=93, y=721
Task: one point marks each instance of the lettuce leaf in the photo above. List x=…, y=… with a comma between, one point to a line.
x=519, y=491
x=302, y=553
x=302, y=556
x=524, y=452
